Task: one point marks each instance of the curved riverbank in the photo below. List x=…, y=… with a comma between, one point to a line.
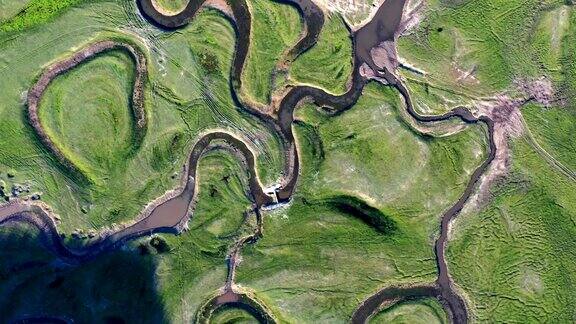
x=392, y=295
x=232, y=299
x=170, y=213
x=36, y=92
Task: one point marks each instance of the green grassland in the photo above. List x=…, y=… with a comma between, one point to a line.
x=329, y=63
x=425, y=311
x=232, y=315
x=371, y=189
x=276, y=27
x=494, y=38
x=9, y=8
x=172, y=6
x=431, y=100
x=185, y=98
x=102, y=112
x=324, y=252
x=553, y=127
x=200, y=91
x=33, y=12
x=515, y=258
x=195, y=267
x=160, y=282
x=370, y=152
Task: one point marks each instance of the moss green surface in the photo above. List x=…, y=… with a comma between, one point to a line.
x=318, y=259
x=95, y=129
x=328, y=64
x=275, y=28
x=34, y=13
x=371, y=190
x=232, y=315
x=87, y=113
x=515, y=258
x=171, y=6
x=482, y=46
x=425, y=311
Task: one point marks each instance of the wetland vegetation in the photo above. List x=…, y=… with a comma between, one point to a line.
x=371, y=186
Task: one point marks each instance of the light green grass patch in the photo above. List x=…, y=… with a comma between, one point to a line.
x=317, y=261
x=424, y=311
x=182, y=101
x=491, y=39
x=275, y=28
x=553, y=129
x=87, y=112
x=548, y=36
x=232, y=315
x=329, y=63
x=36, y=12
x=171, y=6
x=21, y=151
x=9, y=8
x=515, y=258
x=370, y=152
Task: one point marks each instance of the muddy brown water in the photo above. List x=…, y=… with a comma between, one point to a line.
x=392, y=295
x=381, y=28
x=170, y=215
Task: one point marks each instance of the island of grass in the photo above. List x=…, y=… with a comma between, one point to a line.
x=373, y=182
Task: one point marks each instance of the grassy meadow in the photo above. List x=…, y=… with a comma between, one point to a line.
x=514, y=259
x=87, y=112
x=233, y=315
x=329, y=63
x=511, y=256
x=424, y=311
x=171, y=6
x=481, y=47
x=371, y=191
x=276, y=27
x=318, y=259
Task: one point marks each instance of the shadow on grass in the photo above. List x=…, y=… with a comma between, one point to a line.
x=357, y=208
x=117, y=287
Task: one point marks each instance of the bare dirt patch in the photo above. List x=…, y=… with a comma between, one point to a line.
x=505, y=112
